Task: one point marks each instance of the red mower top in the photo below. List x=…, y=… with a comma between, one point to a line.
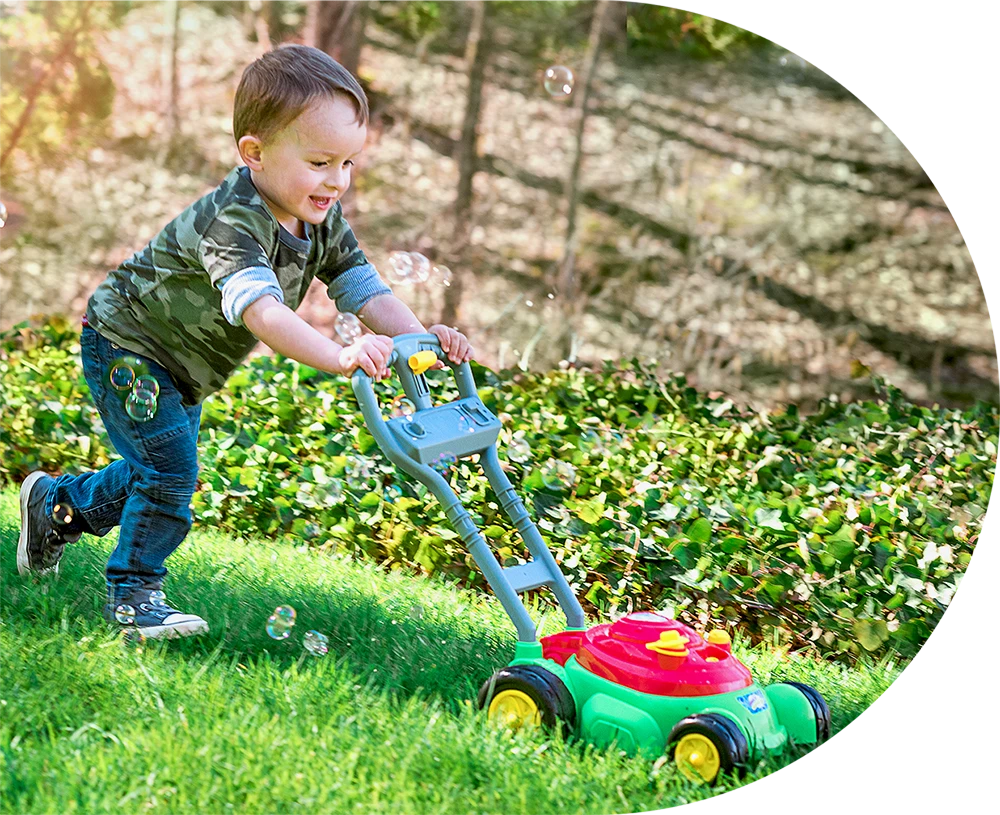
x=651, y=653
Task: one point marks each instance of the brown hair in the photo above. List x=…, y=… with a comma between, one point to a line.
x=278, y=86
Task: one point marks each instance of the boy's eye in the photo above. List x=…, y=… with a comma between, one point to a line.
x=348, y=163
x=318, y=163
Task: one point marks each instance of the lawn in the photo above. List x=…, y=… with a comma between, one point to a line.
x=235, y=721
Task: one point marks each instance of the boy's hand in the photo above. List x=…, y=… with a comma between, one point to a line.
x=371, y=353
x=453, y=342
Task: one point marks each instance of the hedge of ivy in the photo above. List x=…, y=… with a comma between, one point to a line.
x=847, y=530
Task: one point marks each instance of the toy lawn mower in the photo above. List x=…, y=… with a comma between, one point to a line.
x=645, y=683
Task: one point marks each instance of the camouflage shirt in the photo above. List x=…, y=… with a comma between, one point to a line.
x=165, y=302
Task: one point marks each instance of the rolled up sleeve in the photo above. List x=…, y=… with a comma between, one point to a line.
x=353, y=288
x=245, y=287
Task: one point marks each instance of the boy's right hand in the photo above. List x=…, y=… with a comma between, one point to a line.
x=370, y=352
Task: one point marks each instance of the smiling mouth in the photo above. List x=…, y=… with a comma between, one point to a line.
x=321, y=201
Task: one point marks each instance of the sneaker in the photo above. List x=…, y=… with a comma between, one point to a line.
x=43, y=537
x=146, y=612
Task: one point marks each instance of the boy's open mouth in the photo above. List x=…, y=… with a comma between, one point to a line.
x=322, y=203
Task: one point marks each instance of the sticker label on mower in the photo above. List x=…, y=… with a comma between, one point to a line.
x=755, y=701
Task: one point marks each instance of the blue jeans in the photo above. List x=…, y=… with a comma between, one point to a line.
x=148, y=491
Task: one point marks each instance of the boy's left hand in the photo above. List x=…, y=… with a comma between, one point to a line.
x=453, y=342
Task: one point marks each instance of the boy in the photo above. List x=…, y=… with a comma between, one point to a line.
x=228, y=271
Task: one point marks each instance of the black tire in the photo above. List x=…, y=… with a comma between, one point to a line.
x=723, y=732
x=820, y=709
x=555, y=702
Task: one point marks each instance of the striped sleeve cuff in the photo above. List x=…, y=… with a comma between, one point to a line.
x=354, y=287
x=245, y=287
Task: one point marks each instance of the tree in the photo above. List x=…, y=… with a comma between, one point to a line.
x=172, y=13
x=339, y=29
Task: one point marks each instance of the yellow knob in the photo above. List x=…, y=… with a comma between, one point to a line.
x=718, y=637
x=671, y=643
x=421, y=361
x=712, y=659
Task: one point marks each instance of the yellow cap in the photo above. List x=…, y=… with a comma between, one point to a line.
x=421, y=361
x=671, y=643
x=718, y=637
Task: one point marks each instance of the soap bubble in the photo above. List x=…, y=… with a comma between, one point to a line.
x=444, y=462
x=518, y=451
x=146, y=384
x=465, y=425
x=62, y=514
x=332, y=492
x=441, y=276
x=558, y=474
x=140, y=406
x=416, y=611
x=400, y=267
x=157, y=597
x=125, y=614
x=402, y=406
x=121, y=376
x=558, y=81
x=3, y=213
x=315, y=643
x=279, y=625
x=421, y=267
x=348, y=327
x=358, y=470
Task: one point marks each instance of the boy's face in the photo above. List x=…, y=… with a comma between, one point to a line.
x=306, y=167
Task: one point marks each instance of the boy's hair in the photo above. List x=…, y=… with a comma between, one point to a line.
x=278, y=86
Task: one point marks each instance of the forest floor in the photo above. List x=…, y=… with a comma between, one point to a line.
x=752, y=225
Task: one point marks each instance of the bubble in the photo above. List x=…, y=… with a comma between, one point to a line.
x=558, y=81
x=402, y=406
x=558, y=474
x=444, y=462
x=279, y=625
x=157, y=598
x=146, y=384
x=358, y=470
x=464, y=425
x=441, y=276
x=392, y=493
x=416, y=611
x=121, y=376
x=518, y=451
x=421, y=267
x=125, y=614
x=62, y=514
x=348, y=327
x=400, y=267
x=141, y=406
x=332, y=492
x=3, y=213
x=315, y=643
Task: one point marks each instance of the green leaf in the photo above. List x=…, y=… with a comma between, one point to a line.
x=871, y=633
x=700, y=531
x=769, y=519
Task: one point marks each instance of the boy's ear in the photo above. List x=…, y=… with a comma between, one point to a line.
x=250, y=148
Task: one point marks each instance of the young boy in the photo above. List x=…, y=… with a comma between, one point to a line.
x=228, y=272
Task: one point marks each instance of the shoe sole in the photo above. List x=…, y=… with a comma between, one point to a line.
x=23, y=565
x=170, y=632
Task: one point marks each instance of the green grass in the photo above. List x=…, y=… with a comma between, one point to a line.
x=235, y=721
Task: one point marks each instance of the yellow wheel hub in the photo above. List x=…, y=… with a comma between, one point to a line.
x=697, y=758
x=514, y=709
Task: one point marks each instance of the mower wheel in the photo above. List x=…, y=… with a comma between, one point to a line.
x=528, y=694
x=819, y=708
x=706, y=744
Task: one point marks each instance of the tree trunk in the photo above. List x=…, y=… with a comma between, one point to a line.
x=475, y=60
x=172, y=14
x=567, y=278
x=338, y=28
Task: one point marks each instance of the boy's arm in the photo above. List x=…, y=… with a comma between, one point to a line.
x=282, y=330
x=387, y=314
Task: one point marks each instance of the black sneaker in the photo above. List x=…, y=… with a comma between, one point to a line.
x=146, y=612
x=43, y=537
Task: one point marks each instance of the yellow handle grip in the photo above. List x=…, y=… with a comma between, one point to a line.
x=421, y=361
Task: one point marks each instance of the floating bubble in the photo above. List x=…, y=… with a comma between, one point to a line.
x=3, y=213
x=558, y=81
x=279, y=625
x=441, y=276
x=402, y=406
x=416, y=611
x=315, y=643
x=400, y=267
x=465, y=425
x=518, y=451
x=62, y=514
x=286, y=613
x=157, y=598
x=558, y=474
x=125, y=614
x=146, y=384
x=792, y=61
x=121, y=376
x=421, y=267
x=332, y=492
x=348, y=327
x=358, y=470
x=141, y=406
x=444, y=462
